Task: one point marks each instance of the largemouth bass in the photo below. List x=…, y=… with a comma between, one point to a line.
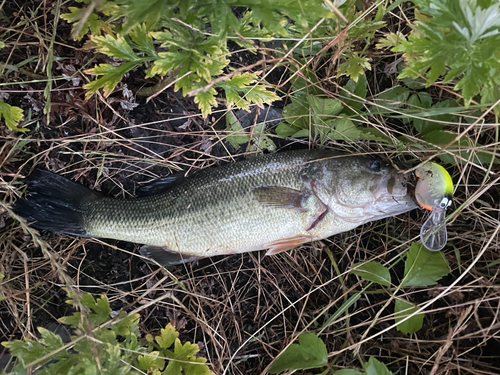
x=274, y=202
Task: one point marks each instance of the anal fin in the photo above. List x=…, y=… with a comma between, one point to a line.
x=285, y=244
x=166, y=257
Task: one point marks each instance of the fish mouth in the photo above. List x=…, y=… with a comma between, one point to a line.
x=392, y=186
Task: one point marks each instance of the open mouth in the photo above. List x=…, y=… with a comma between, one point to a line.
x=392, y=185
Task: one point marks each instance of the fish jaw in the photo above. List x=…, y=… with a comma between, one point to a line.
x=377, y=196
x=390, y=197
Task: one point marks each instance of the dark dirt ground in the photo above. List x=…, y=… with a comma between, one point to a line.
x=241, y=309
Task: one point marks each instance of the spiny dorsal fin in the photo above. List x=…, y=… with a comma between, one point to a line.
x=160, y=185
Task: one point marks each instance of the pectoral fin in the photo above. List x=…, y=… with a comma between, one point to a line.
x=279, y=196
x=166, y=257
x=279, y=246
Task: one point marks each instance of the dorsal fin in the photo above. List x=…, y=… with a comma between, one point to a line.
x=160, y=185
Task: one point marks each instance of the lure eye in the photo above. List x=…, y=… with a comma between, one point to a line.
x=445, y=203
x=374, y=165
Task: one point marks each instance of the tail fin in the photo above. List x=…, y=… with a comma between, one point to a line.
x=54, y=203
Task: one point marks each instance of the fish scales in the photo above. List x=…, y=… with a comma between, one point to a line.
x=275, y=201
x=212, y=212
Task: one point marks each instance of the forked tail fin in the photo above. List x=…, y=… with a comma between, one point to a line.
x=54, y=203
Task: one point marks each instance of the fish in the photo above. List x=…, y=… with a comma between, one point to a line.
x=274, y=202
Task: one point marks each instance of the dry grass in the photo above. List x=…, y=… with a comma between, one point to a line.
x=242, y=309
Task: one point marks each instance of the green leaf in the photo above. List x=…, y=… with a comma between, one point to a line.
x=490, y=93
x=296, y=113
x=236, y=135
x=111, y=76
x=285, y=130
x=352, y=94
x=51, y=341
x=12, y=116
x=239, y=83
x=144, y=11
x=125, y=326
x=309, y=353
x=259, y=95
x=375, y=367
x=151, y=361
x=166, y=62
x=354, y=67
x=344, y=129
x=182, y=355
x=167, y=336
x=391, y=99
x=205, y=100
x=372, y=271
x=391, y=40
x=30, y=350
x=84, y=22
x=240, y=80
x=424, y=267
x=402, y=309
x=347, y=372
x=260, y=141
x=307, y=81
x=459, y=39
x=465, y=148
x=326, y=107
x=143, y=41
x=115, y=46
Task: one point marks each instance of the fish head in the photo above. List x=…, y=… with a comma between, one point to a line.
x=364, y=189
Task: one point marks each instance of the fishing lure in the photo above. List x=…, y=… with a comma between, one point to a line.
x=434, y=192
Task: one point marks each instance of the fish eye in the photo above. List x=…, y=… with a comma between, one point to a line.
x=374, y=165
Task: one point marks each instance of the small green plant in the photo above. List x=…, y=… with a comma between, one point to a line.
x=430, y=120
x=457, y=39
x=422, y=268
x=12, y=116
x=327, y=118
x=106, y=346
x=311, y=353
x=188, y=41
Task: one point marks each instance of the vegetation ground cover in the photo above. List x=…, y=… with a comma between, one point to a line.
x=89, y=91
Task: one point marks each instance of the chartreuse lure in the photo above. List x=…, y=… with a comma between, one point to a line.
x=434, y=192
